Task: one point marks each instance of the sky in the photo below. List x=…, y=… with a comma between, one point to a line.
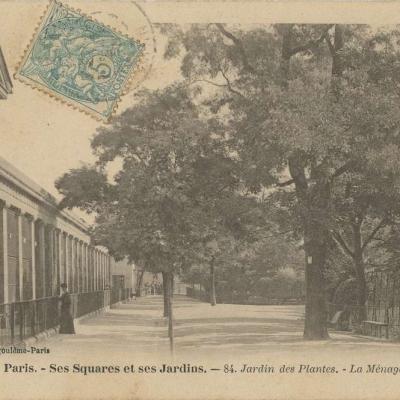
x=44, y=138
x=39, y=135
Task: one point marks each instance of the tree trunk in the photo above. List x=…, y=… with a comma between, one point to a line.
x=172, y=285
x=314, y=202
x=337, y=59
x=286, y=54
x=315, y=324
x=169, y=280
x=139, y=284
x=362, y=293
x=165, y=293
x=213, y=297
x=360, y=275
x=317, y=202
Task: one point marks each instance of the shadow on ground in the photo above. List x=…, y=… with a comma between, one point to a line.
x=198, y=326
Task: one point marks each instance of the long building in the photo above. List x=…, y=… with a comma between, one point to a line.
x=6, y=85
x=40, y=248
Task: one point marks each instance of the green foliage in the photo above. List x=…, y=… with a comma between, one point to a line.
x=83, y=188
x=177, y=189
x=273, y=129
x=270, y=267
x=352, y=141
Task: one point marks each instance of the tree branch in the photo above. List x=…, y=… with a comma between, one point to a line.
x=221, y=85
x=344, y=168
x=330, y=45
x=275, y=234
x=209, y=82
x=238, y=43
x=312, y=43
x=343, y=244
x=228, y=84
x=373, y=233
x=222, y=188
x=287, y=183
x=297, y=164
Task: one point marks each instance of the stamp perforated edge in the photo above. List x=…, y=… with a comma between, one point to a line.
x=64, y=100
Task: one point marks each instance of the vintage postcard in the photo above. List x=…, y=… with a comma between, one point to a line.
x=199, y=200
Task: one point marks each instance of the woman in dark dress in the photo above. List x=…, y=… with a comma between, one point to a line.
x=66, y=320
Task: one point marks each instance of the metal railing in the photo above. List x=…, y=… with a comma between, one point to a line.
x=121, y=294
x=204, y=296
x=24, y=319
x=87, y=302
x=367, y=320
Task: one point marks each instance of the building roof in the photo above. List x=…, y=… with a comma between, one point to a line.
x=33, y=190
x=5, y=80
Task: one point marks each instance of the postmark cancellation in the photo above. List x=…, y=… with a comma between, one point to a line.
x=80, y=61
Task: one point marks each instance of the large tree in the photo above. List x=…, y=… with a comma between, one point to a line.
x=163, y=186
x=301, y=105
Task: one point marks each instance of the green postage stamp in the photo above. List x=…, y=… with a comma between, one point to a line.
x=80, y=61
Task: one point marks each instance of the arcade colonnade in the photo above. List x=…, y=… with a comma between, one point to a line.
x=41, y=246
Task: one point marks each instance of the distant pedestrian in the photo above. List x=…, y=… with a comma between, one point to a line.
x=66, y=320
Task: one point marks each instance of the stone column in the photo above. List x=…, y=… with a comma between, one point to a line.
x=109, y=270
x=82, y=267
x=97, y=269
x=61, y=255
x=101, y=271
x=33, y=265
x=5, y=250
x=42, y=258
x=57, y=261
x=75, y=264
x=106, y=256
x=93, y=275
x=88, y=267
x=48, y=272
x=65, y=257
x=99, y=264
x=105, y=269
x=72, y=266
x=92, y=272
x=83, y=281
x=20, y=263
x=85, y=252
x=78, y=266
x=96, y=283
